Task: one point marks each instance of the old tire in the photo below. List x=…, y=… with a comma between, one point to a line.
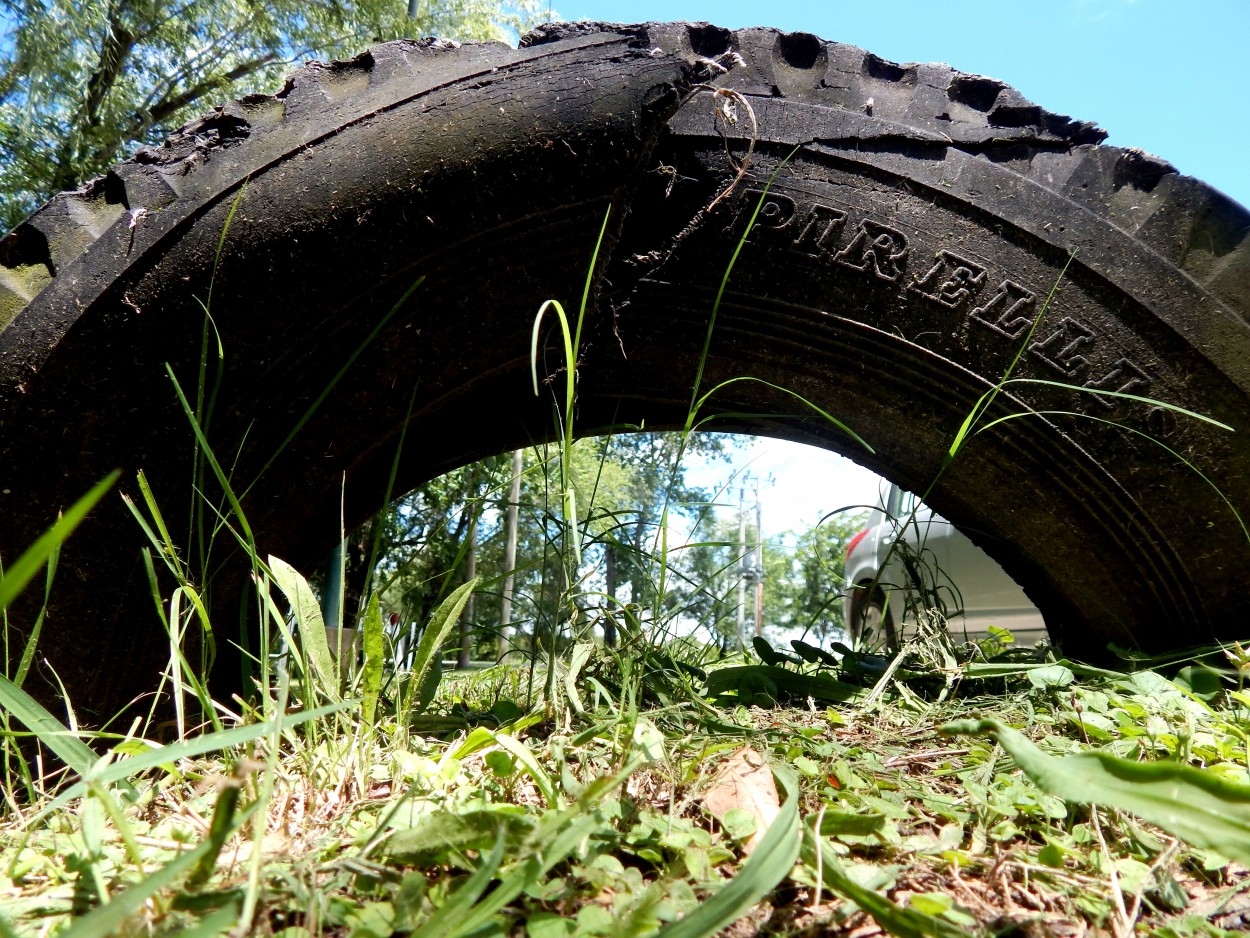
x=901, y=255
x=870, y=621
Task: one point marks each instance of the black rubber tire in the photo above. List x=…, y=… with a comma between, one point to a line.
x=918, y=218
x=871, y=621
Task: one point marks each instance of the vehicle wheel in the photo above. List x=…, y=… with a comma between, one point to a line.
x=910, y=223
x=871, y=623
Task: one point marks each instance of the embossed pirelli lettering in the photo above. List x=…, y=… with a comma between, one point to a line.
x=951, y=281
x=877, y=249
x=1061, y=350
x=1009, y=312
x=1123, y=378
x=777, y=211
x=821, y=230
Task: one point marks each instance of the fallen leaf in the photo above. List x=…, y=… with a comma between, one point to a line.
x=745, y=782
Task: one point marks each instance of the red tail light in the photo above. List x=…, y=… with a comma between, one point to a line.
x=855, y=541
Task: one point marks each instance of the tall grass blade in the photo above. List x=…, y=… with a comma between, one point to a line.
x=32, y=639
x=121, y=769
x=697, y=387
x=47, y=729
x=16, y=577
x=1199, y=807
x=447, y=919
x=572, y=827
x=107, y=920
x=338, y=376
x=892, y=917
x=223, y=478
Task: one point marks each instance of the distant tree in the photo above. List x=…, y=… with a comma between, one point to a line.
x=84, y=82
x=811, y=595
x=620, y=486
x=424, y=539
x=647, y=480
x=804, y=579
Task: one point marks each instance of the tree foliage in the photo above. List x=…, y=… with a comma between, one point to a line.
x=85, y=82
x=803, y=576
x=811, y=596
x=622, y=486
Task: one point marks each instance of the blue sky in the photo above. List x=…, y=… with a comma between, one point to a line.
x=1168, y=76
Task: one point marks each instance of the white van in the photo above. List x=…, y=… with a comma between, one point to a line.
x=909, y=559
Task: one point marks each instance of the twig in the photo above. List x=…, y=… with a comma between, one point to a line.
x=896, y=761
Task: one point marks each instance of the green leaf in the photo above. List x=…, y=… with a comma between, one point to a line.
x=833, y=823
x=812, y=654
x=441, y=833
x=312, y=627
x=1051, y=677
x=375, y=659
x=441, y=623
x=770, y=655
x=739, y=823
x=1198, y=806
x=548, y=925
x=1050, y=855
x=932, y=903
x=1203, y=682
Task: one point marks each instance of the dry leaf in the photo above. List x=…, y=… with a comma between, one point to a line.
x=745, y=782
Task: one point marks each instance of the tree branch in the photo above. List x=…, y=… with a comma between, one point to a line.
x=171, y=105
x=115, y=47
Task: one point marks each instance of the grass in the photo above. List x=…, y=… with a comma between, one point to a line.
x=597, y=824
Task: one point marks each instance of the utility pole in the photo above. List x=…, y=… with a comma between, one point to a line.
x=758, y=557
x=509, y=559
x=464, y=654
x=742, y=564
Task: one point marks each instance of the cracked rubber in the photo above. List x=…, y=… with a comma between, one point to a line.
x=916, y=219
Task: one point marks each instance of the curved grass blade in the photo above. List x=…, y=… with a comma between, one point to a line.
x=1153, y=402
x=48, y=729
x=121, y=769
x=16, y=577
x=776, y=387
x=1197, y=806
x=1146, y=436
